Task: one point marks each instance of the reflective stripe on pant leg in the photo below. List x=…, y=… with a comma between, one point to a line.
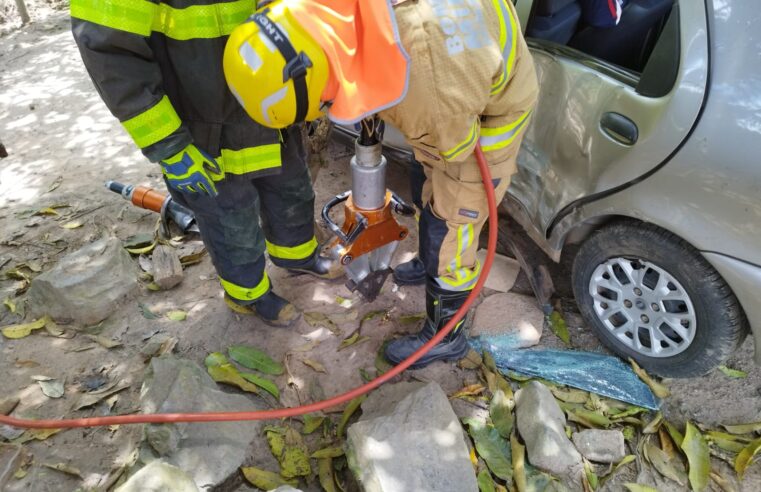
x=300, y=252
x=245, y=295
x=458, y=277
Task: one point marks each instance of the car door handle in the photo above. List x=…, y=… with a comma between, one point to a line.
x=619, y=128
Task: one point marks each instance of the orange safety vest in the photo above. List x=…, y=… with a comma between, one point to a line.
x=368, y=65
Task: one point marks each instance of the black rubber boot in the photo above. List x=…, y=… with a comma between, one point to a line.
x=441, y=305
x=318, y=266
x=410, y=273
x=270, y=308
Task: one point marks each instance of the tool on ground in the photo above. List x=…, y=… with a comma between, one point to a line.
x=370, y=235
x=150, y=199
x=281, y=413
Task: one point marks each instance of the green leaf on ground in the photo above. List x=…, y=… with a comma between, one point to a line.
x=627, y=459
x=221, y=371
x=312, y=422
x=661, y=461
x=325, y=474
x=590, y=476
x=407, y=319
x=559, y=327
x=634, y=487
x=518, y=452
x=348, y=412
x=351, y=340
x=743, y=428
x=746, y=457
x=674, y=433
x=570, y=395
x=733, y=373
x=24, y=329
x=262, y=382
x=727, y=442
x=177, y=315
x=288, y=448
x=264, y=479
x=501, y=412
x=492, y=448
x=696, y=450
x=314, y=365
x=333, y=452
x=485, y=482
x=254, y=358
x=587, y=418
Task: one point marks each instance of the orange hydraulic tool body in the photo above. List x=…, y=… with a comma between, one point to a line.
x=366, y=241
x=150, y=199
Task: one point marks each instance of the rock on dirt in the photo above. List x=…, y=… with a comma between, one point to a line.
x=166, y=267
x=208, y=452
x=415, y=443
x=503, y=274
x=159, y=476
x=86, y=286
x=601, y=446
x=512, y=315
x=541, y=424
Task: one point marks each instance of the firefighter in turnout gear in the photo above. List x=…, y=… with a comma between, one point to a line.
x=158, y=67
x=447, y=73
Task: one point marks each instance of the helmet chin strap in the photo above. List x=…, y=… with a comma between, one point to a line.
x=296, y=64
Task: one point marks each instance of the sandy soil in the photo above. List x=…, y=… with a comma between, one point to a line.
x=56, y=129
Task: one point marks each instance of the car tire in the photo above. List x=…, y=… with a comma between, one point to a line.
x=685, y=321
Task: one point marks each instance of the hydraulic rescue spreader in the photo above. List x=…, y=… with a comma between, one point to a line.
x=366, y=241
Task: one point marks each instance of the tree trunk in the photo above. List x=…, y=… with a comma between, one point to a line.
x=22, y=12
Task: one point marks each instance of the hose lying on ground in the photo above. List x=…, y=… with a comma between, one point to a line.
x=166, y=418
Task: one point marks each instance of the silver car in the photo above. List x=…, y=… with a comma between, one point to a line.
x=645, y=148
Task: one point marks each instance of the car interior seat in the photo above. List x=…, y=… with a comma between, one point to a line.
x=554, y=20
x=630, y=42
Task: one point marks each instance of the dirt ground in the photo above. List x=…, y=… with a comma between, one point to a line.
x=63, y=144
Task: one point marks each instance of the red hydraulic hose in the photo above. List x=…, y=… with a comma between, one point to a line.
x=167, y=418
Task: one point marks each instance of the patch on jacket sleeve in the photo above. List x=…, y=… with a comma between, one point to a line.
x=471, y=214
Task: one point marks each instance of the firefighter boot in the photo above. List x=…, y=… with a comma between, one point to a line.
x=441, y=306
x=272, y=309
x=318, y=266
x=410, y=273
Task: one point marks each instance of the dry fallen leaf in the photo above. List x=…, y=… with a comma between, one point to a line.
x=177, y=315
x=104, y=342
x=52, y=388
x=72, y=225
x=314, y=365
x=64, y=468
x=319, y=319
x=658, y=389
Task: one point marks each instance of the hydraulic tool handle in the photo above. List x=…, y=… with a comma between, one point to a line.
x=400, y=206
x=346, y=239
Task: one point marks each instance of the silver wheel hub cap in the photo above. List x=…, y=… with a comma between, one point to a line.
x=643, y=306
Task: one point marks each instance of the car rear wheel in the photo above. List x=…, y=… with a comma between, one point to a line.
x=651, y=296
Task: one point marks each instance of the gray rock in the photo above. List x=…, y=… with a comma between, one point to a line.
x=208, y=452
x=541, y=424
x=166, y=267
x=85, y=286
x=416, y=444
x=383, y=400
x=513, y=315
x=504, y=271
x=159, y=476
x=601, y=446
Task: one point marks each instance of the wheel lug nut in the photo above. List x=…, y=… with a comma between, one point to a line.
x=645, y=319
x=656, y=307
x=637, y=291
x=628, y=303
x=604, y=305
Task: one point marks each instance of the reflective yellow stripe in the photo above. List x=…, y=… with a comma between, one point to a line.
x=250, y=159
x=153, y=125
x=460, y=148
x=141, y=17
x=202, y=21
x=300, y=252
x=135, y=16
x=465, y=278
x=245, y=293
x=500, y=137
x=508, y=38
